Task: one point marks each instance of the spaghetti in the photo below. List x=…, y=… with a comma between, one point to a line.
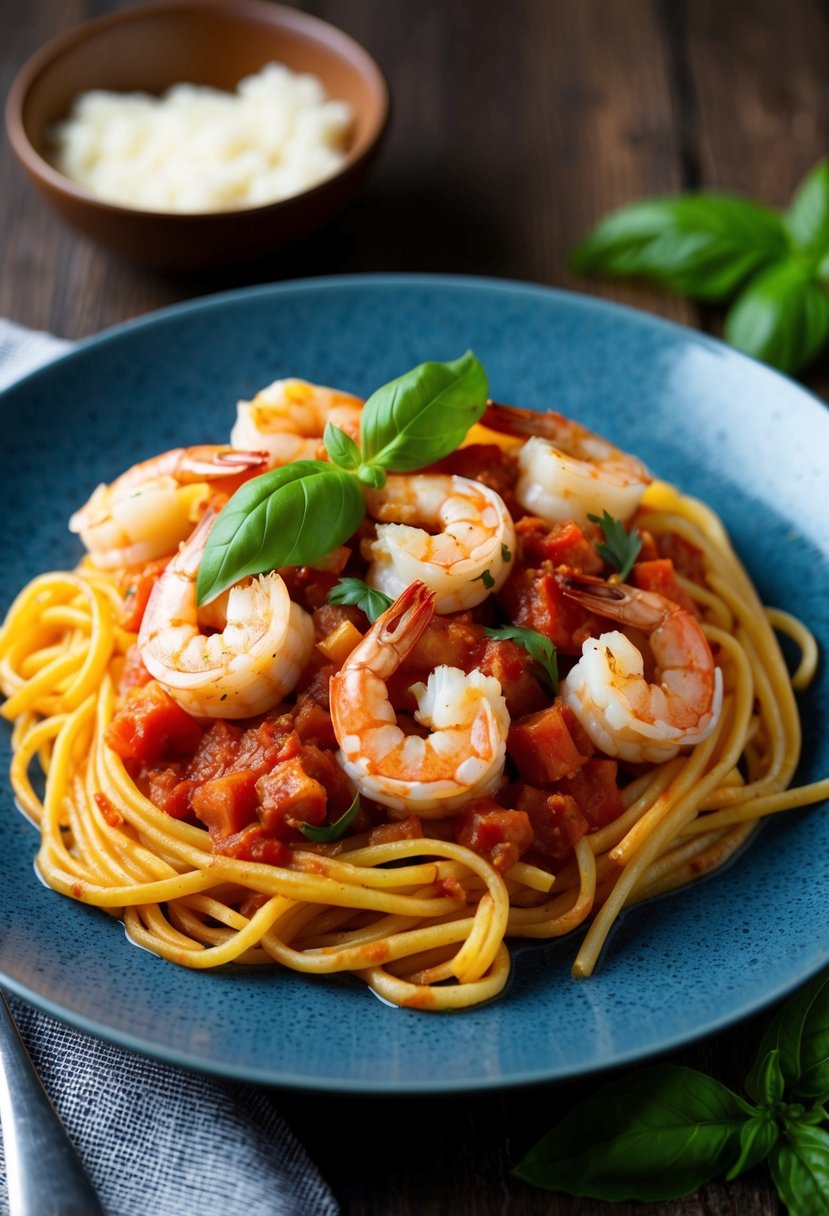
x=422, y=920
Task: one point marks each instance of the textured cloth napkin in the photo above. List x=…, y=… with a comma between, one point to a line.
x=156, y=1140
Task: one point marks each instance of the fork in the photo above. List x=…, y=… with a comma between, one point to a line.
x=45, y=1174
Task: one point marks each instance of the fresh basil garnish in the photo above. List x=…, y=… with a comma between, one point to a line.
x=355, y=592
x=807, y=220
x=662, y=1133
x=800, y=1035
x=713, y=246
x=288, y=517
x=423, y=416
x=296, y=514
x=700, y=245
x=332, y=831
x=799, y=1166
x=758, y=1137
x=537, y=645
x=781, y=317
x=341, y=447
x=656, y=1134
x=620, y=548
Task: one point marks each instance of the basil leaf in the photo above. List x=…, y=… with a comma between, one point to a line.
x=287, y=517
x=781, y=317
x=800, y=1033
x=702, y=245
x=354, y=591
x=757, y=1138
x=331, y=831
x=537, y=645
x=770, y=1082
x=423, y=416
x=341, y=447
x=621, y=548
x=658, y=1133
x=800, y=1169
x=807, y=220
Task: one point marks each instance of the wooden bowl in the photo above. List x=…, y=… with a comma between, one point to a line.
x=212, y=42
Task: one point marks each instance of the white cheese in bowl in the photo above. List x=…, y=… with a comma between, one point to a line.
x=200, y=149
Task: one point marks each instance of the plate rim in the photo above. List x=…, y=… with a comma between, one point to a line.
x=183, y=1058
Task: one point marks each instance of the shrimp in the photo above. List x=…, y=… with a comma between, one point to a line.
x=147, y=511
x=245, y=669
x=623, y=714
x=287, y=420
x=567, y=471
x=467, y=558
x=463, y=756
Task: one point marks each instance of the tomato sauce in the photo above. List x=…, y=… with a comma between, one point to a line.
x=255, y=784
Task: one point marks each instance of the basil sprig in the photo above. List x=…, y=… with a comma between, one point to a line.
x=715, y=247
x=663, y=1132
x=294, y=515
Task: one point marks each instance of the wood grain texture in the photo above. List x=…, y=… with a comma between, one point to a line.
x=515, y=127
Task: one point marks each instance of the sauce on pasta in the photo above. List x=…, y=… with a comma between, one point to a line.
x=191, y=754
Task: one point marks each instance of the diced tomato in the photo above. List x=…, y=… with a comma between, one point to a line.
x=170, y=791
x=133, y=674
x=534, y=599
x=227, y=804
x=322, y=766
x=288, y=795
x=150, y=728
x=400, y=829
x=254, y=844
x=137, y=592
x=562, y=544
x=512, y=667
x=543, y=747
x=595, y=789
x=556, y=820
x=314, y=725
x=446, y=640
x=500, y=835
x=216, y=751
x=659, y=576
x=263, y=746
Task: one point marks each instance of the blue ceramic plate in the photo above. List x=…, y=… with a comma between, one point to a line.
x=724, y=428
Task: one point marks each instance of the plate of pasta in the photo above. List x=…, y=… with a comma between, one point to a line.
x=413, y=661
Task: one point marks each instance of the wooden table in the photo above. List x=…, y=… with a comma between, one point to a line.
x=516, y=126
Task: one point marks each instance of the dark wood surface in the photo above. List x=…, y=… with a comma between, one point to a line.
x=516, y=126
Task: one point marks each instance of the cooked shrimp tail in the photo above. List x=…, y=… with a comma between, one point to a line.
x=623, y=713
x=462, y=756
x=615, y=600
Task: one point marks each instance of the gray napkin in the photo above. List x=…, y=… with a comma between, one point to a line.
x=156, y=1140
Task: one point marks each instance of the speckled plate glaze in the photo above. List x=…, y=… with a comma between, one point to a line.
x=750, y=442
